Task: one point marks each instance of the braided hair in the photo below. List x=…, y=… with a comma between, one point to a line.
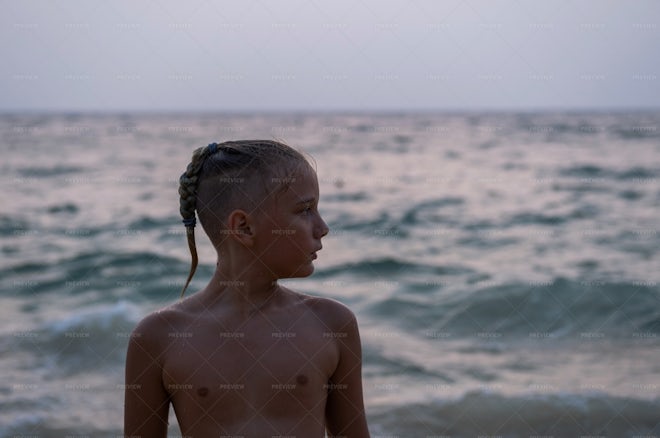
x=218, y=174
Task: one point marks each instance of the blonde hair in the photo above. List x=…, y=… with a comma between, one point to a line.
x=221, y=175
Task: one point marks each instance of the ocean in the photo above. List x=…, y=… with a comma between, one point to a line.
x=503, y=267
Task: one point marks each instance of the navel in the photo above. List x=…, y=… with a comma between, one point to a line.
x=301, y=379
x=203, y=391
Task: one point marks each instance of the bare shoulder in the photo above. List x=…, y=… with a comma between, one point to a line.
x=152, y=330
x=332, y=313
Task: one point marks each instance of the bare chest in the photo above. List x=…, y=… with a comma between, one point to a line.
x=265, y=367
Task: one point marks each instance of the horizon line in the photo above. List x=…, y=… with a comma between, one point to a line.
x=331, y=111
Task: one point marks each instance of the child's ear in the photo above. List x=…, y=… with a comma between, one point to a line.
x=240, y=227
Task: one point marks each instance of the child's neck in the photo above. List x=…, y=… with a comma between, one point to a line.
x=247, y=292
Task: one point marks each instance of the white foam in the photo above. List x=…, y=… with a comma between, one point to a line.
x=100, y=317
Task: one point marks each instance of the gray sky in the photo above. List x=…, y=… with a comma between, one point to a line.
x=247, y=55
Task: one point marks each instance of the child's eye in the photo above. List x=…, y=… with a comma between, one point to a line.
x=307, y=209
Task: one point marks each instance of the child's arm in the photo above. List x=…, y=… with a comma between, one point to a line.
x=345, y=407
x=146, y=403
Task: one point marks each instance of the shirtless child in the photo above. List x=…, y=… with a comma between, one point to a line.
x=245, y=356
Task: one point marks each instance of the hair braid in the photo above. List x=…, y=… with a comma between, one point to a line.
x=188, y=183
x=251, y=159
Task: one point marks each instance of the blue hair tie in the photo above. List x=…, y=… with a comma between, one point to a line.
x=190, y=222
x=213, y=148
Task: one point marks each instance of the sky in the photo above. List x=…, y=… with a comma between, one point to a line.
x=312, y=55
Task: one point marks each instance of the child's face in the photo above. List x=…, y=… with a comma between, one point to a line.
x=291, y=228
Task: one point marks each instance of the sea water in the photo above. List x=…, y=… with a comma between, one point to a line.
x=503, y=267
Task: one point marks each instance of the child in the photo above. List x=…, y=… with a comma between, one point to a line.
x=246, y=356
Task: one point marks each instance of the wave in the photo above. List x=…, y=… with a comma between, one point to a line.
x=389, y=267
x=149, y=223
x=143, y=274
x=89, y=339
x=559, y=309
x=430, y=211
x=591, y=171
x=626, y=126
x=489, y=414
x=347, y=197
x=349, y=222
x=47, y=172
x=12, y=226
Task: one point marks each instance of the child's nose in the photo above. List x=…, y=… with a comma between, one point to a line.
x=322, y=227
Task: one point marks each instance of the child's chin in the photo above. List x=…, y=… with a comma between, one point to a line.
x=303, y=271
